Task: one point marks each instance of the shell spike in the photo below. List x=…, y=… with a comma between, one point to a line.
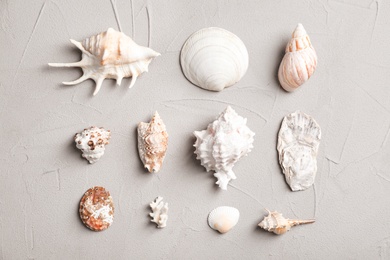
x=296, y=222
x=133, y=79
x=81, y=79
x=119, y=80
x=79, y=46
x=72, y=64
x=99, y=82
x=224, y=178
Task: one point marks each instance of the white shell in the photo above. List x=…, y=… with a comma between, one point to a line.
x=111, y=55
x=92, y=142
x=214, y=58
x=298, y=142
x=222, y=144
x=160, y=212
x=299, y=61
x=277, y=224
x=152, y=143
x=223, y=218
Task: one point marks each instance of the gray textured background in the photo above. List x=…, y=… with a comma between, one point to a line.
x=43, y=175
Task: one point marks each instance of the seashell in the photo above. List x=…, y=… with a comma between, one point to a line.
x=92, y=142
x=222, y=144
x=152, y=143
x=111, y=55
x=299, y=61
x=223, y=218
x=298, y=142
x=214, y=59
x=160, y=210
x=97, y=209
x=277, y=224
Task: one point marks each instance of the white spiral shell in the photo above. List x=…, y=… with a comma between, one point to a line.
x=222, y=144
x=223, y=218
x=298, y=141
x=214, y=58
x=111, y=55
x=299, y=61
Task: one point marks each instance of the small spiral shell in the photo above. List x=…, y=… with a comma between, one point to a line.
x=299, y=61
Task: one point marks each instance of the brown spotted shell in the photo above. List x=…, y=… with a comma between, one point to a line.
x=97, y=209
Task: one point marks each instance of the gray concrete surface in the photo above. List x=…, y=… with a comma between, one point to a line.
x=43, y=175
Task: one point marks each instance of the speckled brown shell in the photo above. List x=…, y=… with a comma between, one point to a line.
x=97, y=209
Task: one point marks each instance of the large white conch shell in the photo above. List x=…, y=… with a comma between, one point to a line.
x=214, y=59
x=279, y=225
x=160, y=212
x=223, y=218
x=222, y=144
x=298, y=142
x=92, y=142
x=152, y=143
x=299, y=62
x=111, y=55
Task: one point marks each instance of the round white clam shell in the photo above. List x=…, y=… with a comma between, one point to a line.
x=223, y=218
x=214, y=58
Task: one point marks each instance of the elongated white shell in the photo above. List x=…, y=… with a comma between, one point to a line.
x=279, y=225
x=298, y=142
x=160, y=212
x=92, y=142
x=214, y=59
x=223, y=218
x=152, y=143
x=111, y=55
x=222, y=144
x=299, y=62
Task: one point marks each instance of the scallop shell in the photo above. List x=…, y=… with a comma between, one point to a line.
x=152, y=143
x=160, y=212
x=299, y=61
x=214, y=59
x=222, y=144
x=223, y=219
x=92, y=142
x=111, y=55
x=277, y=224
x=97, y=209
x=298, y=142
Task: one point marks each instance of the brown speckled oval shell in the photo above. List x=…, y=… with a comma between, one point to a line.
x=96, y=209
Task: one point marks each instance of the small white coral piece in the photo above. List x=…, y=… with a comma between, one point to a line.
x=223, y=219
x=92, y=142
x=278, y=224
x=299, y=61
x=160, y=212
x=152, y=143
x=298, y=141
x=222, y=144
x=111, y=55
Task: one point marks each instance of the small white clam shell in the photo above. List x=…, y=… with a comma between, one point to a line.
x=223, y=218
x=214, y=58
x=298, y=141
x=299, y=61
